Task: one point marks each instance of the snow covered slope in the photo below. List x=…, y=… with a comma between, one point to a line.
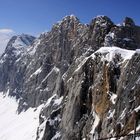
x=111, y=52
x=14, y=126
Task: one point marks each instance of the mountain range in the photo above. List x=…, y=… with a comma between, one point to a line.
x=75, y=82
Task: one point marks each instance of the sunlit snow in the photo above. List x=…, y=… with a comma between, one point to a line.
x=112, y=51
x=96, y=122
x=15, y=126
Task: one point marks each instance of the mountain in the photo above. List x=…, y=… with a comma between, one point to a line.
x=5, y=36
x=80, y=81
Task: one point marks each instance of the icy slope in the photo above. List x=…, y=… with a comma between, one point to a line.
x=111, y=52
x=15, y=126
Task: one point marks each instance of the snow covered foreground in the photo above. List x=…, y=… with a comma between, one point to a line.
x=15, y=126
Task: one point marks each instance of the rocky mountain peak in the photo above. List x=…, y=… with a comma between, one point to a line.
x=72, y=18
x=67, y=22
x=128, y=22
x=102, y=21
x=98, y=29
x=124, y=36
x=19, y=42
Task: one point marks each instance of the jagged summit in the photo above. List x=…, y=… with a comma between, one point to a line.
x=70, y=17
x=20, y=41
x=128, y=22
x=17, y=46
x=102, y=20
x=67, y=22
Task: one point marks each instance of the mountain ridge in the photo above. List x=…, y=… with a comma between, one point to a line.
x=83, y=82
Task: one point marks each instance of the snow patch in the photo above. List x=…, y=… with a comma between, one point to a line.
x=81, y=64
x=50, y=100
x=41, y=130
x=56, y=136
x=55, y=120
x=113, y=98
x=96, y=122
x=36, y=72
x=138, y=80
x=111, y=114
x=18, y=43
x=55, y=69
x=110, y=52
x=137, y=109
x=137, y=129
x=53, y=99
x=58, y=101
x=123, y=114
x=127, y=39
x=31, y=50
x=15, y=126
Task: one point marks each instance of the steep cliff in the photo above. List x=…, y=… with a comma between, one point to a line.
x=85, y=78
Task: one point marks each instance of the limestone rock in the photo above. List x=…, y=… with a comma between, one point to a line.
x=85, y=77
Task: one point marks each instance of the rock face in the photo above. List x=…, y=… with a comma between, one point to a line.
x=125, y=36
x=88, y=88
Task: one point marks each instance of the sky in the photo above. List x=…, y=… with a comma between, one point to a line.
x=36, y=16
